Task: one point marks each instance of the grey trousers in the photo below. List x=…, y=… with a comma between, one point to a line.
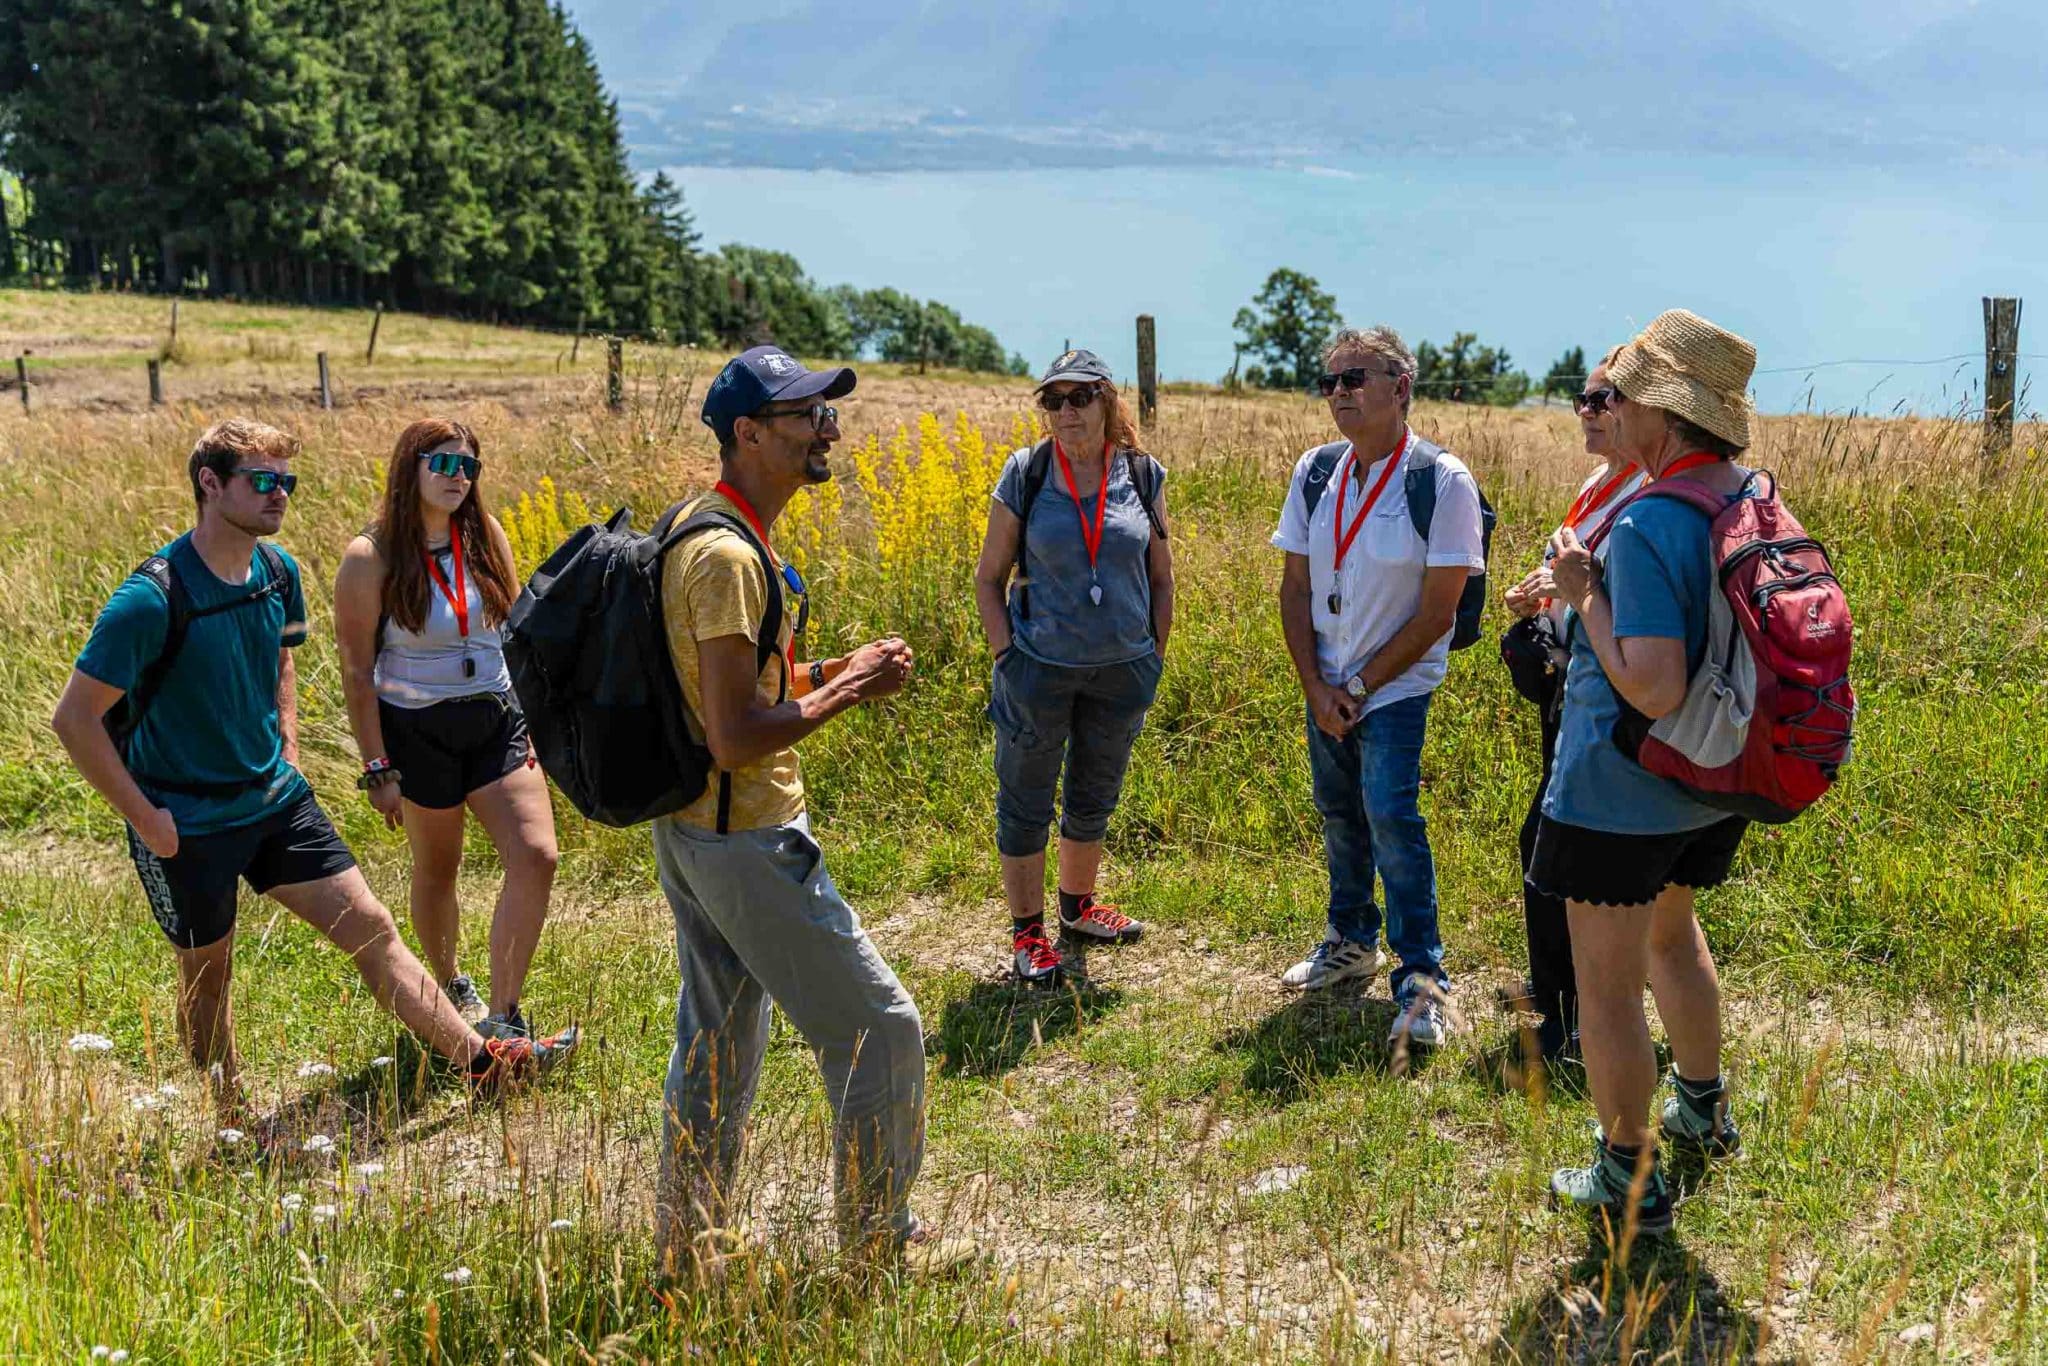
x=758, y=921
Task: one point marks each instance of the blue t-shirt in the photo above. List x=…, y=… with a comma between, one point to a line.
x=214, y=720
x=1066, y=625
x=1659, y=571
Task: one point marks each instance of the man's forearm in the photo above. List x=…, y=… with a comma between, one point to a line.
x=762, y=731
x=1297, y=626
x=1399, y=655
x=99, y=763
x=288, y=706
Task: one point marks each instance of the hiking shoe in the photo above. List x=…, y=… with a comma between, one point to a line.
x=928, y=1252
x=1334, y=961
x=1708, y=1137
x=1105, y=923
x=1419, y=1014
x=462, y=992
x=509, y=1025
x=514, y=1062
x=1600, y=1191
x=1033, y=958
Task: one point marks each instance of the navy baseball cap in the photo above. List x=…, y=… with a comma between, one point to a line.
x=1081, y=366
x=763, y=375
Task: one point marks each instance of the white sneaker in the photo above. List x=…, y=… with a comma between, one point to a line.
x=1420, y=1016
x=1334, y=961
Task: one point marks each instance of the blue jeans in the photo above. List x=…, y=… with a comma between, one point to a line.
x=1368, y=787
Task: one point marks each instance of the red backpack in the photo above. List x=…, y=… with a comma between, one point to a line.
x=1766, y=721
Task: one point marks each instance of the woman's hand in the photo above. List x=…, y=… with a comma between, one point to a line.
x=386, y=801
x=1526, y=598
x=1573, y=570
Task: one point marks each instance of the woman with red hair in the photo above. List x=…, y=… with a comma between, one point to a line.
x=418, y=606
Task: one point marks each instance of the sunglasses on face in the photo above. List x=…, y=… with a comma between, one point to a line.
x=1596, y=401
x=821, y=415
x=454, y=464
x=1076, y=399
x=267, y=482
x=1353, y=378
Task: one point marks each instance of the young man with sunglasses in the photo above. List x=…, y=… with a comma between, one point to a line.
x=759, y=922
x=1367, y=605
x=182, y=713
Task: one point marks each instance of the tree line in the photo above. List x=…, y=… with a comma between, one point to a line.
x=1289, y=320
x=446, y=156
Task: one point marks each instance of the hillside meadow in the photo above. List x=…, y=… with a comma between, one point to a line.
x=1177, y=1161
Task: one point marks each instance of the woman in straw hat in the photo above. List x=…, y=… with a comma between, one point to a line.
x=1625, y=848
x=1534, y=650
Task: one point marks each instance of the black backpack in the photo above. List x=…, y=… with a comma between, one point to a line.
x=1418, y=482
x=588, y=652
x=1146, y=477
x=124, y=718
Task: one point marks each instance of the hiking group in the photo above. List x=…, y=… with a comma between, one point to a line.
x=1685, y=644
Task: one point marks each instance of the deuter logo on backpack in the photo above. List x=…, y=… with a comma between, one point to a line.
x=1768, y=720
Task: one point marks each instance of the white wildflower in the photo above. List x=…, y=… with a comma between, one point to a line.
x=319, y=1143
x=369, y=1169
x=324, y=1212
x=562, y=1225
x=148, y=1100
x=99, y=1351
x=461, y=1275
x=398, y=1294
x=316, y=1069
x=231, y=1136
x=1919, y=1332
x=167, y=1090
x=291, y=1201
x=381, y=1060
x=91, y=1043
x=117, y=1356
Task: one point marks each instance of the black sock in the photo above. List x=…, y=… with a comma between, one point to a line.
x=1703, y=1098
x=1071, y=904
x=1019, y=924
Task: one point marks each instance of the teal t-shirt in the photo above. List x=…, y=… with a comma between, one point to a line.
x=1659, y=573
x=214, y=720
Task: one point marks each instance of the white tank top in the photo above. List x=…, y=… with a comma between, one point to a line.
x=436, y=664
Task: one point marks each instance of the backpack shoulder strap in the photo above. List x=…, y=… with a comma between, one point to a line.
x=1418, y=484
x=1147, y=477
x=1037, y=469
x=1683, y=491
x=157, y=569
x=1320, y=470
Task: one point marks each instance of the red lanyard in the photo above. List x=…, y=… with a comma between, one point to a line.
x=1690, y=462
x=1592, y=500
x=458, y=596
x=1092, y=538
x=1338, y=534
x=739, y=500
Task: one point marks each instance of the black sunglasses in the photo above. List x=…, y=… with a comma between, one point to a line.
x=1596, y=400
x=822, y=415
x=1073, y=398
x=267, y=482
x=1353, y=378
x=449, y=464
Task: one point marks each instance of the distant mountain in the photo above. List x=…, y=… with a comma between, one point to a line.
x=880, y=82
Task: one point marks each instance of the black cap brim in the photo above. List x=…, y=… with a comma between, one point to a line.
x=834, y=383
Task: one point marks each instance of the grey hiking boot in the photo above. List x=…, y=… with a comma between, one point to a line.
x=510, y=1024
x=1710, y=1137
x=1334, y=961
x=462, y=992
x=1600, y=1191
x=1420, y=1016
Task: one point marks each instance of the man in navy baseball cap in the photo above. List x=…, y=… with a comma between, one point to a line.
x=766, y=375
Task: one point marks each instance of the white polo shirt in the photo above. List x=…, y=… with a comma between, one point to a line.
x=1380, y=588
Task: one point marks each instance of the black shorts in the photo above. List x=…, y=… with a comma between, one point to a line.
x=448, y=750
x=192, y=895
x=1630, y=870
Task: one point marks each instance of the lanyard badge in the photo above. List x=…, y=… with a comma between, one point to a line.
x=458, y=596
x=1343, y=538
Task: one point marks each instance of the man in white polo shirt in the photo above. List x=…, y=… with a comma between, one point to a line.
x=1368, y=598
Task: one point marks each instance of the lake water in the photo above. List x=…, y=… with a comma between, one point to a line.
x=1812, y=263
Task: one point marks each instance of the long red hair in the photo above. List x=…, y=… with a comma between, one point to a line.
x=401, y=533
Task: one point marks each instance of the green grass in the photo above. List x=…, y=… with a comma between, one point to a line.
x=1177, y=1162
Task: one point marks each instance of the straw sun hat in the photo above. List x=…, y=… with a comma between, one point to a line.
x=1687, y=366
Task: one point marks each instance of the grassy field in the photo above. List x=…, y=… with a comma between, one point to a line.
x=1179, y=1162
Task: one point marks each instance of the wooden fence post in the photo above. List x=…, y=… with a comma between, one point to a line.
x=21, y=378
x=174, y=322
x=577, y=345
x=2001, y=367
x=326, y=391
x=1148, y=369
x=376, y=321
x=156, y=382
x=614, y=374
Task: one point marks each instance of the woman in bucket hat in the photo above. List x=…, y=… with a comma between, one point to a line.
x=1075, y=591
x=1624, y=848
x=1534, y=650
